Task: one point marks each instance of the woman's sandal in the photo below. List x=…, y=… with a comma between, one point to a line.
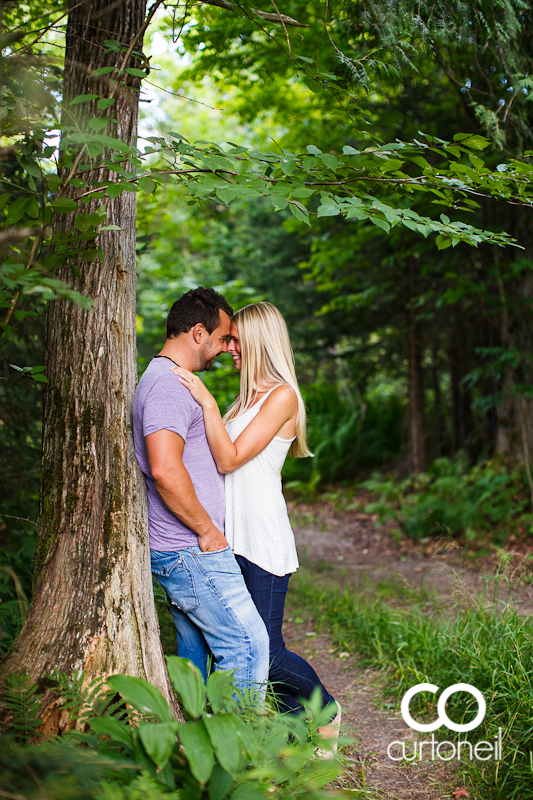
x=331, y=732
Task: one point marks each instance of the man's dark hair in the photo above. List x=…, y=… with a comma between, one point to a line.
x=198, y=305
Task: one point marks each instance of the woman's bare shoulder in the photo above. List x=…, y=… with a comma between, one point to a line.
x=283, y=395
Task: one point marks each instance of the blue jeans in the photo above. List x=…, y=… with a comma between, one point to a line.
x=291, y=676
x=214, y=613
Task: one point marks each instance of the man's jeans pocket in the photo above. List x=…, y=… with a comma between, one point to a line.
x=220, y=561
x=176, y=579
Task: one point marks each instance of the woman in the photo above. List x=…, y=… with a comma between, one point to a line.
x=266, y=421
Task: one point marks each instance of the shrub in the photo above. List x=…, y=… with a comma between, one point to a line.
x=450, y=499
x=226, y=748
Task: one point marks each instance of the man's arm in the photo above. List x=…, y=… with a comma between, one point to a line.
x=173, y=482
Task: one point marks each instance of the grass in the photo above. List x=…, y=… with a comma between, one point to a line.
x=487, y=646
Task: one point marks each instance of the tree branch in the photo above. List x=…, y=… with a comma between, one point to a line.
x=263, y=14
x=29, y=264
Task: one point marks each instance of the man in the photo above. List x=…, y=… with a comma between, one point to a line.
x=212, y=609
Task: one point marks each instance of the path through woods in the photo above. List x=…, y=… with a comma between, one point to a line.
x=345, y=549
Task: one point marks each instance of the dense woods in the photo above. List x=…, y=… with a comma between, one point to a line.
x=363, y=166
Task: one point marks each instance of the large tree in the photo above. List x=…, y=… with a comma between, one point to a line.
x=93, y=607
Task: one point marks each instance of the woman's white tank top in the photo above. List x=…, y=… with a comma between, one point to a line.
x=257, y=523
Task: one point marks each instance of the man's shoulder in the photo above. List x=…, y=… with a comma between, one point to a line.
x=158, y=383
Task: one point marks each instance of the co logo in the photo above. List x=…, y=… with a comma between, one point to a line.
x=443, y=718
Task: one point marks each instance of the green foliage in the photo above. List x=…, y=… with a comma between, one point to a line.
x=450, y=499
x=15, y=591
x=347, y=435
x=59, y=770
x=489, y=648
x=22, y=704
x=226, y=748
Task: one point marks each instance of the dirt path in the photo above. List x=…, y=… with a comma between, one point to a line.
x=346, y=549
x=365, y=761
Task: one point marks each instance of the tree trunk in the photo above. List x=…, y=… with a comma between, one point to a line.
x=417, y=415
x=461, y=396
x=93, y=607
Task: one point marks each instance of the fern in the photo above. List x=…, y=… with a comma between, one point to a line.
x=83, y=702
x=23, y=703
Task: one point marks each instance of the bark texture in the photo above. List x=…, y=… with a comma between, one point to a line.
x=93, y=605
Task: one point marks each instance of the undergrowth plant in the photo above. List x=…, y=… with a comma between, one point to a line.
x=229, y=746
x=487, y=645
x=450, y=499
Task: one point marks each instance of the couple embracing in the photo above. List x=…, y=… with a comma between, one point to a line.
x=220, y=539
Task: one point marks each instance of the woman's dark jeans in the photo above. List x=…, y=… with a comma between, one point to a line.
x=291, y=676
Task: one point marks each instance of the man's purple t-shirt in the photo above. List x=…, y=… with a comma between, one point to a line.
x=163, y=403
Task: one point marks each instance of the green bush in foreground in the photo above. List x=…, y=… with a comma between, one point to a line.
x=451, y=499
x=135, y=749
x=489, y=648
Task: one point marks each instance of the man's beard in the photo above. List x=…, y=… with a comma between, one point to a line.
x=206, y=364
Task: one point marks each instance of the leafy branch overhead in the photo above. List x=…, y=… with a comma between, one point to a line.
x=315, y=183
x=362, y=179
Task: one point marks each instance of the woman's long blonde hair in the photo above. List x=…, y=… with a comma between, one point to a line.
x=266, y=359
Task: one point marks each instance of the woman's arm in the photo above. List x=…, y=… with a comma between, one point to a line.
x=277, y=409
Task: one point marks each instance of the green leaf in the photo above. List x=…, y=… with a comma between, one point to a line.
x=40, y=378
x=220, y=690
x=142, y=696
x=17, y=209
x=105, y=102
x=158, y=739
x=314, y=151
x=117, y=731
x=98, y=124
x=297, y=212
x=147, y=184
x=301, y=193
x=113, y=190
x=64, y=205
x=101, y=71
x=225, y=741
x=350, y=151
x=19, y=369
x=476, y=162
x=391, y=165
x=54, y=182
x=329, y=211
x=443, y=242
x=278, y=202
x=188, y=683
x=198, y=749
x=83, y=98
x=476, y=142
x=287, y=166
x=314, y=86
x=39, y=368
x=330, y=161
x=139, y=73
x=251, y=790
x=220, y=782
x=30, y=166
x=381, y=223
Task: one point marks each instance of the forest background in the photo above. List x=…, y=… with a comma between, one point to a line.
x=412, y=344
x=410, y=352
